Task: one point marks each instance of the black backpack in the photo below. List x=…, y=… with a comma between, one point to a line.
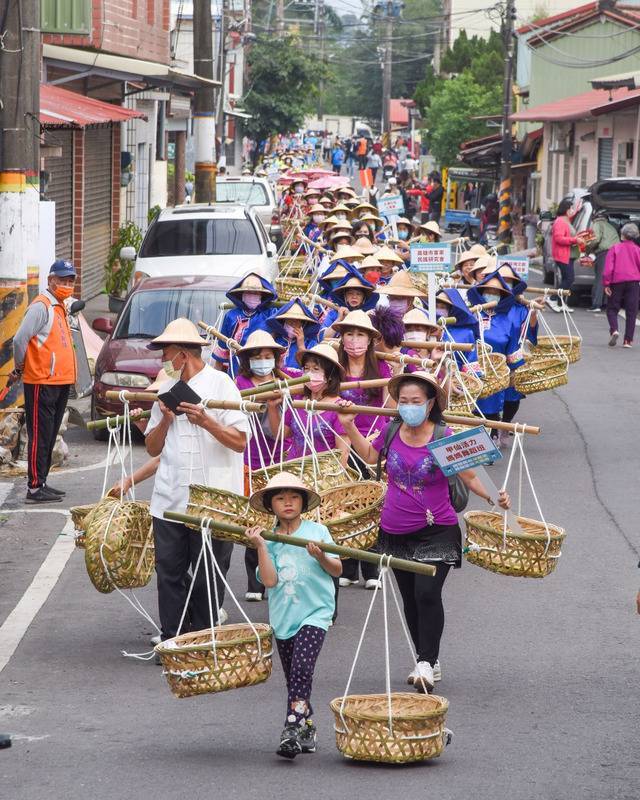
x=458, y=492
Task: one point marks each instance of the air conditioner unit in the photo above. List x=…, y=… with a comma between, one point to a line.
x=561, y=138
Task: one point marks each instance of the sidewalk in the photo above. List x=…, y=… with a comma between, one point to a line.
x=98, y=307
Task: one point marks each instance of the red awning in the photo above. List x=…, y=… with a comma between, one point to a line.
x=398, y=112
x=64, y=109
x=580, y=106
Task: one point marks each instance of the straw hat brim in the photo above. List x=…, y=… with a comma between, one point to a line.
x=189, y=338
x=354, y=283
x=311, y=352
x=424, y=377
x=261, y=345
x=256, y=501
x=360, y=326
x=295, y=313
x=400, y=291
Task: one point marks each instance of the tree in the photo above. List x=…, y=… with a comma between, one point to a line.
x=450, y=114
x=283, y=86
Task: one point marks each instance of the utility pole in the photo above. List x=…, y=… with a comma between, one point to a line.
x=224, y=21
x=386, y=74
x=19, y=171
x=279, y=18
x=204, y=121
x=319, y=30
x=504, y=227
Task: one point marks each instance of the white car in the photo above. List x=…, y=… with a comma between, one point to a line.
x=257, y=193
x=219, y=241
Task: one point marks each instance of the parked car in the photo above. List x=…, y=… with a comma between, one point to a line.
x=125, y=362
x=222, y=240
x=618, y=197
x=257, y=193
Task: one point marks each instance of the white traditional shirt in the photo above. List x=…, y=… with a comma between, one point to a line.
x=191, y=454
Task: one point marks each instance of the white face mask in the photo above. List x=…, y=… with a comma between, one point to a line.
x=341, y=215
x=171, y=371
x=262, y=366
x=489, y=296
x=318, y=218
x=415, y=336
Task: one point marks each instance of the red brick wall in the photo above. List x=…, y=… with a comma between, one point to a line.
x=134, y=28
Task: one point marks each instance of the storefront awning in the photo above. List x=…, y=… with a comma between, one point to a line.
x=86, y=62
x=234, y=112
x=580, y=106
x=60, y=108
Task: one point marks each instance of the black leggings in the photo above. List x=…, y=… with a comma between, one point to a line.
x=423, y=609
x=510, y=409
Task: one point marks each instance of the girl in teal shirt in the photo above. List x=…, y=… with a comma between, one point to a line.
x=301, y=598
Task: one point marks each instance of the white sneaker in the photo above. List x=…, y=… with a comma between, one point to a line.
x=437, y=671
x=423, y=680
x=553, y=304
x=372, y=583
x=344, y=582
x=156, y=639
x=253, y=597
x=568, y=309
x=222, y=617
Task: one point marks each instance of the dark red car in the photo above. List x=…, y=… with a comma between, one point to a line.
x=125, y=362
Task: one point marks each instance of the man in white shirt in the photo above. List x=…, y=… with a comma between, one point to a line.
x=195, y=445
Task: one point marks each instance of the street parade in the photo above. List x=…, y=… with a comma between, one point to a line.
x=347, y=476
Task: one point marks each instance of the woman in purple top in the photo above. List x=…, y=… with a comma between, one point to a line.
x=257, y=361
x=621, y=283
x=322, y=365
x=418, y=521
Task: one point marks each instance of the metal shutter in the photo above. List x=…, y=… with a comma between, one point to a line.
x=97, y=209
x=605, y=158
x=60, y=190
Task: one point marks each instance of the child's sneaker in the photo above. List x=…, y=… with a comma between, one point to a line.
x=290, y=745
x=308, y=737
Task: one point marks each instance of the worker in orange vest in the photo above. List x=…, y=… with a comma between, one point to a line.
x=45, y=360
x=361, y=151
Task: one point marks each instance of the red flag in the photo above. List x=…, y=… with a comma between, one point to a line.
x=366, y=178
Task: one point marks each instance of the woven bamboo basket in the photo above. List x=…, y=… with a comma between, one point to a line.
x=541, y=373
x=291, y=265
x=191, y=669
x=224, y=506
x=459, y=400
x=352, y=513
x=362, y=731
x=329, y=475
x=525, y=556
x=120, y=536
x=571, y=346
x=289, y=288
x=496, y=373
x=82, y=515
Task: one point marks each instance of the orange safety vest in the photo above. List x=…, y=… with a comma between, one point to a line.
x=362, y=147
x=50, y=357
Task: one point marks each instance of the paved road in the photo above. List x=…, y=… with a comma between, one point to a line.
x=541, y=675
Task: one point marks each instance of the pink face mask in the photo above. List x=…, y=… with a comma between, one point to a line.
x=398, y=305
x=356, y=347
x=317, y=380
x=289, y=330
x=251, y=299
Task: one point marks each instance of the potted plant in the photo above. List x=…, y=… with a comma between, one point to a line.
x=118, y=271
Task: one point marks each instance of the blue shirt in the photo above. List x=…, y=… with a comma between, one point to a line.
x=304, y=594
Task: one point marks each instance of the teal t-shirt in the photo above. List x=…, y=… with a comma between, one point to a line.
x=304, y=594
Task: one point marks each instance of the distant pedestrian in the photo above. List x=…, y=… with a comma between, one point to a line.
x=563, y=238
x=435, y=198
x=361, y=151
x=621, y=280
x=374, y=162
x=337, y=158
x=605, y=236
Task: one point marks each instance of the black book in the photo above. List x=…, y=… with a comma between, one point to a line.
x=180, y=392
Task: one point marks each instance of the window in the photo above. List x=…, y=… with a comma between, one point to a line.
x=65, y=16
x=200, y=237
x=245, y=194
x=149, y=313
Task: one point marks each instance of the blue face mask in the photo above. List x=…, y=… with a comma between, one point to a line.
x=403, y=235
x=413, y=415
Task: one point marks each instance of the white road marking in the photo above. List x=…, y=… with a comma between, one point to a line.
x=24, y=738
x=5, y=490
x=17, y=623
x=536, y=270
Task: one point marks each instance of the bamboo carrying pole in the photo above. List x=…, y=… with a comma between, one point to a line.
x=402, y=358
x=375, y=383
x=374, y=411
x=465, y=347
x=335, y=549
x=444, y=321
x=233, y=345
x=483, y=306
x=549, y=291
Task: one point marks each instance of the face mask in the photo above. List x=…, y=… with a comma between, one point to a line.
x=403, y=235
x=251, y=299
x=289, y=330
x=415, y=336
x=318, y=218
x=262, y=366
x=171, y=371
x=398, y=305
x=317, y=381
x=356, y=348
x=341, y=215
x=442, y=310
x=413, y=415
x=298, y=189
x=61, y=293
x=489, y=296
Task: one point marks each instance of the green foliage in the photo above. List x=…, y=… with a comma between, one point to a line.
x=474, y=88
x=117, y=274
x=153, y=212
x=283, y=85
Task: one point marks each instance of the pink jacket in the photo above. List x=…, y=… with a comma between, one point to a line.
x=622, y=264
x=561, y=240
